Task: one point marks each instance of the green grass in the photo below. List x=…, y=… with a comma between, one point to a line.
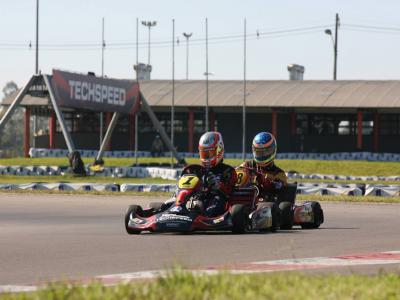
x=181, y=285
x=357, y=168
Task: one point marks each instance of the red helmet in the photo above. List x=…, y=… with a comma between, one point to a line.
x=211, y=149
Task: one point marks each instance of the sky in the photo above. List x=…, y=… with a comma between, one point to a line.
x=290, y=31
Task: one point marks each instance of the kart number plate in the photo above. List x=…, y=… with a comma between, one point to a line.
x=188, y=182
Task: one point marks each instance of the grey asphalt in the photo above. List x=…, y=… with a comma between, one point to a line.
x=59, y=237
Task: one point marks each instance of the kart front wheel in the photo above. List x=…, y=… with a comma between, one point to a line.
x=132, y=209
x=239, y=218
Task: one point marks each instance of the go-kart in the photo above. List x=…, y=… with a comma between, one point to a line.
x=185, y=213
x=308, y=215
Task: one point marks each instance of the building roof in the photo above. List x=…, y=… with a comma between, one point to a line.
x=265, y=93
x=302, y=94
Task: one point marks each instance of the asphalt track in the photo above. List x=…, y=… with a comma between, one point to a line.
x=60, y=237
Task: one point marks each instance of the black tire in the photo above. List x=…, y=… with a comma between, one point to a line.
x=240, y=218
x=275, y=216
x=136, y=209
x=318, y=216
x=286, y=209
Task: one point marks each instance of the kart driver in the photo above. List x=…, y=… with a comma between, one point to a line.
x=219, y=178
x=264, y=150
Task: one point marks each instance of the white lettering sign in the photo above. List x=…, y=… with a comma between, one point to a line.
x=94, y=92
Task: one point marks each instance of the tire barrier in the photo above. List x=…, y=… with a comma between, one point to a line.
x=62, y=187
x=330, y=189
x=303, y=188
x=295, y=175
x=119, y=172
x=368, y=156
x=164, y=173
x=32, y=170
x=127, y=187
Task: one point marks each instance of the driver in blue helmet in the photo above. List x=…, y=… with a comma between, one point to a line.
x=264, y=151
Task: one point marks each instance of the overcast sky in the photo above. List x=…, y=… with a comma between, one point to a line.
x=70, y=37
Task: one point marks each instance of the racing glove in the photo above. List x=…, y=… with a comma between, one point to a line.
x=278, y=185
x=213, y=181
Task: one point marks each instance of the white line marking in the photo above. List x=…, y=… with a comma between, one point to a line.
x=378, y=258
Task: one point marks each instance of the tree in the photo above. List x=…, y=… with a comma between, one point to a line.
x=11, y=137
x=9, y=88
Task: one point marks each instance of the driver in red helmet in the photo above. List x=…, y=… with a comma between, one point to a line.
x=219, y=177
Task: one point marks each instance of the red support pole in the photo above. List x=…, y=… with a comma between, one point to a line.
x=359, y=130
x=376, y=132
x=293, y=123
x=190, y=131
x=52, y=130
x=212, y=121
x=274, y=123
x=132, y=132
x=27, y=131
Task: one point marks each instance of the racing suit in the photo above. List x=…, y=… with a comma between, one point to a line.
x=220, y=181
x=274, y=178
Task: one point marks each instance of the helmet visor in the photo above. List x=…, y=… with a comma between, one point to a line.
x=208, y=154
x=263, y=154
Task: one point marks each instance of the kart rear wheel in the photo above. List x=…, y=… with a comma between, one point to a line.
x=318, y=216
x=132, y=209
x=239, y=218
x=286, y=209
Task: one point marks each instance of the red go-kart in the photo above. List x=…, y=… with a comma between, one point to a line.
x=243, y=210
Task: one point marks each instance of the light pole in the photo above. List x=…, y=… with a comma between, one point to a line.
x=103, y=45
x=335, y=44
x=187, y=36
x=173, y=92
x=36, y=68
x=149, y=24
x=206, y=74
x=244, y=93
x=37, y=38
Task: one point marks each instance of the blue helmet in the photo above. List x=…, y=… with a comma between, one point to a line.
x=264, y=148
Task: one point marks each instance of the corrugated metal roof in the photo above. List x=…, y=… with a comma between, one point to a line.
x=339, y=94
x=285, y=93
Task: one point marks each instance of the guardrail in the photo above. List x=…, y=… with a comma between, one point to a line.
x=164, y=173
x=303, y=188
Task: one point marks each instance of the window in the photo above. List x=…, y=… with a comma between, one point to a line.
x=333, y=124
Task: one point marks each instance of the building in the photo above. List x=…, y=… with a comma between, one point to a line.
x=306, y=116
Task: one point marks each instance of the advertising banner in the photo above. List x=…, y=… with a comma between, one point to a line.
x=88, y=92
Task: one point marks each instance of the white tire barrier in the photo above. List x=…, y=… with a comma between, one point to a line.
x=303, y=188
x=164, y=173
x=370, y=156
x=127, y=187
x=382, y=190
